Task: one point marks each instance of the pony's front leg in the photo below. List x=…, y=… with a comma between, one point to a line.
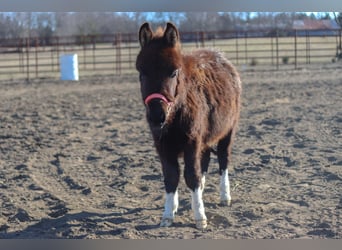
x=198, y=208
x=171, y=179
x=195, y=181
x=170, y=209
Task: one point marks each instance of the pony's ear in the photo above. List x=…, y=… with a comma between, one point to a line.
x=171, y=34
x=145, y=34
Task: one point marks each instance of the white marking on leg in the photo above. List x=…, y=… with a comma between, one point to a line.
x=225, y=188
x=198, y=208
x=170, y=208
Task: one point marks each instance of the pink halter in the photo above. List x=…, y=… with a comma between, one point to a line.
x=157, y=96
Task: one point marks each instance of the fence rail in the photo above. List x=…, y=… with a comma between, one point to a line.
x=115, y=54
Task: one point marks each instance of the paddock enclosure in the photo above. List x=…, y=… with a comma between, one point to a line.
x=35, y=57
x=77, y=160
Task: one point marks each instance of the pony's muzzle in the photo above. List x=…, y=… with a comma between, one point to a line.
x=155, y=113
x=157, y=106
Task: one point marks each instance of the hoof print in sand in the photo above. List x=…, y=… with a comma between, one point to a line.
x=58, y=211
x=21, y=216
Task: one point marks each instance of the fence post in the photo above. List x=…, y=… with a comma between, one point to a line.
x=27, y=59
x=84, y=44
x=213, y=38
x=307, y=40
x=272, y=55
x=57, y=58
x=339, y=55
x=340, y=43
x=202, y=39
x=246, y=48
x=36, y=54
x=51, y=53
x=21, y=55
x=277, y=48
x=197, y=39
x=118, y=54
x=128, y=38
x=237, y=47
x=94, y=47
x=295, y=49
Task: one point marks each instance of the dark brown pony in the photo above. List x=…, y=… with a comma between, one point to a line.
x=192, y=105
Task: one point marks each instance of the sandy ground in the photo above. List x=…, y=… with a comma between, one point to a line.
x=77, y=161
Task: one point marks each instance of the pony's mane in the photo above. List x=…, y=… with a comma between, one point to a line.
x=159, y=32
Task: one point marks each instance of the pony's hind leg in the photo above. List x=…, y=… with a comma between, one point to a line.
x=204, y=165
x=171, y=179
x=223, y=155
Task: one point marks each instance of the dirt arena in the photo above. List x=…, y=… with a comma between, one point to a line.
x=77, y=161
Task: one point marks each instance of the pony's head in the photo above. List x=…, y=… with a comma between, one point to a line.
x=159, y=63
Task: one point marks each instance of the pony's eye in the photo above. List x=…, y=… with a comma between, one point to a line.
x=174, y=73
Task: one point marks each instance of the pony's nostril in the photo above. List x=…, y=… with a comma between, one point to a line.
x=162, y=118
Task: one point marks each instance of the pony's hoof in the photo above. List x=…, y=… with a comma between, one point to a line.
x=201, y=224
x=225, y=203
x=166, y=222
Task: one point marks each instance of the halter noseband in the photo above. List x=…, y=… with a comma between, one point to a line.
x=169, y=104
x=149, y=98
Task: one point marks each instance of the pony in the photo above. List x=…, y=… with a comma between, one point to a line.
x=192, y=104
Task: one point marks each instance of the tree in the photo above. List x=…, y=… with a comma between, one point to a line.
x=325, y=16
x=44, y=25
x=63, y=24
x=338, y=18
x=225, y=22
x=199, y=21
x=4, y=32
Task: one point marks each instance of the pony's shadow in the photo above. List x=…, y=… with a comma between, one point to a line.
x=83, y=222
x=81, y=225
